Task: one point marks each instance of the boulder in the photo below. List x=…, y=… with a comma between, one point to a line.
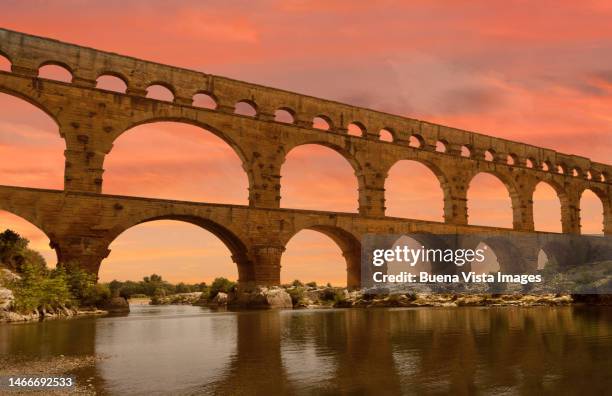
x=262, y=298
x=278, y=298
x=117, y=305
x=220, y=300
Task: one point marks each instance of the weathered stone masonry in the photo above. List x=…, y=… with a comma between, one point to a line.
x=81, y=222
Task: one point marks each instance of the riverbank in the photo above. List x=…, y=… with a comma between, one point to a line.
x=51, y=314
x=334, y=297
x=56, y=366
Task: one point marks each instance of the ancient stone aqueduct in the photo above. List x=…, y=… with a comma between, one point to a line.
x=81, y=222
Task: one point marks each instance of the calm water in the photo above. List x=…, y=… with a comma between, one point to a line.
x=191, y=350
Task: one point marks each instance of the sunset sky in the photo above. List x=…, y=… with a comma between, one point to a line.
x=536, y=72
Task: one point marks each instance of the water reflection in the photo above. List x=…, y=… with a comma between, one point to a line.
x=190, y=350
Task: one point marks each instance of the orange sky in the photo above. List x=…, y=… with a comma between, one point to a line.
x=538, y=72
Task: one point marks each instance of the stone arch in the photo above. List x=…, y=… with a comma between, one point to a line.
x=510, y=258
x=510, y=188
x=285, y=115
x=606, y=214
x=416, y=141
x=60, y=65
x=205, y=100
x=50, y=148
x=348, y=243
x=6, y=60
x=439, y=175
x=357, y=129
x=166, y=88
x=114, y=75
x=387, y=135
x=28, y=214
x=561, y=198
x=429, y=241
x=236, y=148
x=345, y=154
x=31, y=99
x=230, y=238
x=246, y=107
x=322, y=122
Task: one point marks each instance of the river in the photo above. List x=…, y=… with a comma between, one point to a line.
x=193, y=350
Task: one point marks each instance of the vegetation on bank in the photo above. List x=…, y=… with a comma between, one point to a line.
x=156, y=288
x=36, y=287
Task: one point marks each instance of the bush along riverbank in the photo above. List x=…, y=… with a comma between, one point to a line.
x=31, y=291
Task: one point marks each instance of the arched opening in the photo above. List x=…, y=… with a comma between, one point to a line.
x=385, y=135
x=284, y=115
x=318, y=177
x=441, y=146
x=589, y=175
x=159, y=92
x=489, y=155
x=512, y=159
x=38, y=240
x=177, y=250
x=30, y=146
x=204, y=101
x=322, y=254
x=55, y=72
x=412, y=190
x=529, y=163
x=489, y=202
x=245, y=108
x=546, y=166
x=546, y=208
x=576, y=172
x=466, y=152
x=561, y=169
x=490, y=262
x=416, y=141
x=311, y=256
x=356, y=129
x=591, y=213
x=421, y=265
x=321, y=123
x=111, y=83
x=543, y=260
x=164, y=160
x=5, y=64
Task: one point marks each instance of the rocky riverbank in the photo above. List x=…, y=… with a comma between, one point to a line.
x=298, y=297
x=8, y=313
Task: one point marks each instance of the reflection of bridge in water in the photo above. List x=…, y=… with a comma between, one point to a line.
x=422, y=351
x=81, y=222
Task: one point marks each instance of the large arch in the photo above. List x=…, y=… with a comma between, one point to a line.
x=237, y=248
x=320, y=176
x=488, y=195
x=592, y=211
x=27, y=227
x=423, y=197
x=31, y=147
x=178, y=154
x=348, y=244
x=547, y=200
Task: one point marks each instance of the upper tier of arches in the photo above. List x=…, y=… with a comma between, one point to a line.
x=27, y=54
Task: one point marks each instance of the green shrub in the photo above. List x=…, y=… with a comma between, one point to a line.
x=311, y=284
x=220, y=285
x=296, y=294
